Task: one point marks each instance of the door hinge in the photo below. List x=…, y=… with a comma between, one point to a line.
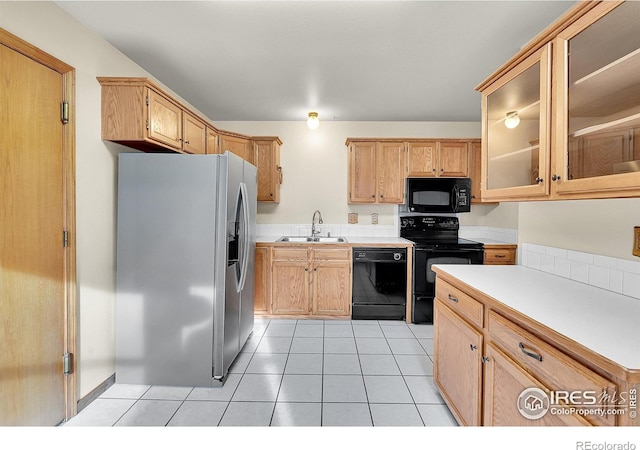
x=65, y=238
x=67, y=363
x=147, y=123
x=147, y=100
x=64, y=112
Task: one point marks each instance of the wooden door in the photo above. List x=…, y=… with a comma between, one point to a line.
x=165, y=120
x=290, y=287
x=457, y=370
x=362, y=172
x=391, y=170
x=237, y=146
x=261, y=280
x=453, y=159
x=37, y=204
x=331, y=288
x=422, y=159
x=212, y=142
x=504, y=382
x=269, y=171
x=475, y=171
x=195, y=134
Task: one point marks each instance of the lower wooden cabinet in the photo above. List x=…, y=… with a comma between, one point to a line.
x=504, y=382
x=500, y=254
x=261, y=287
x=303, y=280
x=458, y=364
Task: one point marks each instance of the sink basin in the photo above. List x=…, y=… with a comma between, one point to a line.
x=328, y=239
x=311, y=239
x=294, y=239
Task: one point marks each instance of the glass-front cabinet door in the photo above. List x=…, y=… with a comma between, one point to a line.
x=515, y=131
x=597, y=65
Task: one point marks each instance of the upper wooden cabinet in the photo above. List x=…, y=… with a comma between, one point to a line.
x=139, y=114
x=577, y=137
x=238, y=145
x=598, y=102
x=195, y=134
x=267, y=156
x=376, y=172
x=378, y=168
x=511, y=154
x=448, y=158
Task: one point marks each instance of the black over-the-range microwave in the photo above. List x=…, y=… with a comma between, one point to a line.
x=439, y=195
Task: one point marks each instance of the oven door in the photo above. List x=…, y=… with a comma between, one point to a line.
x=423, y=275
x=424, y=278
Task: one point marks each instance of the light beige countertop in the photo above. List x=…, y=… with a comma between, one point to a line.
x=600, y=320
x=490, y=241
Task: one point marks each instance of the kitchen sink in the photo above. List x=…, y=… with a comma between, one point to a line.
x=311, y=239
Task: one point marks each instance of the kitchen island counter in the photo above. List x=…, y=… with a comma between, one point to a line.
x=535, y=329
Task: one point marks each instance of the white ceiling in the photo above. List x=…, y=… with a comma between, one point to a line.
x=348, y=60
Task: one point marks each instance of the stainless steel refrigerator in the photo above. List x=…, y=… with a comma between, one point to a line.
x=185, y=257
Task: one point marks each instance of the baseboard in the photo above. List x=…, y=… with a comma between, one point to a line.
x=97, y=392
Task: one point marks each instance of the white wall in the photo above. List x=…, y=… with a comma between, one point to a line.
x=46, y=26
x=602, y=227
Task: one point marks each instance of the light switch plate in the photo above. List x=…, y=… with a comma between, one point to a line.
x=374, y=218
x=353, y=217
x=636, y=241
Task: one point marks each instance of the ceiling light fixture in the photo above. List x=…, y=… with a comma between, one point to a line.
x=313, y=122
x=512, y=120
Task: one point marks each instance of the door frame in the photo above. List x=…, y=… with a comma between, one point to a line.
x=69, y=204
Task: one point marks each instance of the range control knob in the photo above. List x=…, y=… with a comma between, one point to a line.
x=397, y=256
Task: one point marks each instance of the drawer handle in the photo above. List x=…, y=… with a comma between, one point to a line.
x=452, y=298
x=500, y=256
x=528, y=353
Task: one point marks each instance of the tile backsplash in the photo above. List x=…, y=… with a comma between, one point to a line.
x=345, y=230
x=613, y=274
x=507, y=235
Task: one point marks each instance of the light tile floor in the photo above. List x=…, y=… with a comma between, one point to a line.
x=298, y=373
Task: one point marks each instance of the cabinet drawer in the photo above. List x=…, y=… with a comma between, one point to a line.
x=553, y=368
x=331, y=253
x=290, y=253
x=499, y=255
x=460, y=302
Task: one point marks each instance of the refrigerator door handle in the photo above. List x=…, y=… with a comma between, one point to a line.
x=245, y=236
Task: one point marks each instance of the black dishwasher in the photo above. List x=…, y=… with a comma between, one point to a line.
x=379, y=283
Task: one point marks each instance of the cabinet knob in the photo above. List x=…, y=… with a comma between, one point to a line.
x=555, y=177
x=539, y=180
x=473, y=347
x=306, y=269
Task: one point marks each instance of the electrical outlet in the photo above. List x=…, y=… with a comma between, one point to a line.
x=353, y=217
x=636, y=241
x=374, y=218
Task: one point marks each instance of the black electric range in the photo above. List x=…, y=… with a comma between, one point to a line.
x=436, y=241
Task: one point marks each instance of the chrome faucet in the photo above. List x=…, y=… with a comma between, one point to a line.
x=313, y=223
